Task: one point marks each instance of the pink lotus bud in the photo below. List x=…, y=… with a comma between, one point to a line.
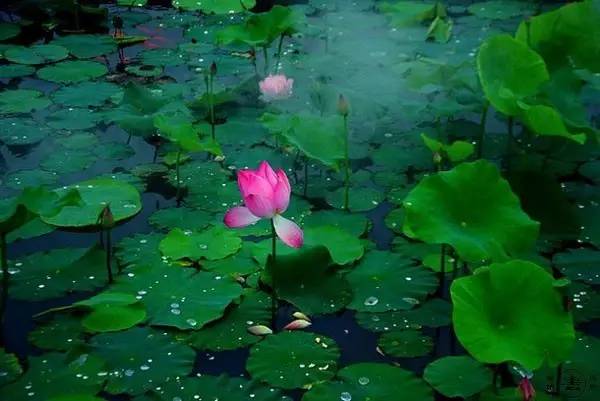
x=526, y=388
x=342, y=106
x=297, y=324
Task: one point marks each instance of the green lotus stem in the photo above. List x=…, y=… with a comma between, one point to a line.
x=77, y=24
x=486, y=106
x=279, y=52
x=559, y=372
x=346, y=166
x=454, y=266
x=108, y=256
x=254, y=61
x=211, y=105
x=177, y=162
x=4, y=263
x=273, y=268
x=266, y=57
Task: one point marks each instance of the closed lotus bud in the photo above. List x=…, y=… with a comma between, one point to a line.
x=297, y=324
x=300, y=315
x=342, y=106
x=437, y=158
x=106, y=218
x=260, y=330
x=213, y=69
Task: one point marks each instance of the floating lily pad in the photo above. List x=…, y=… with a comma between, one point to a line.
x=501, y=9
x=86, y=94
x=231, y=332
x=123, y=198
x=36, y=54
x=67, y=72
x=145, y=71
x=215, y=6
x=53, y=374
x=360, y=199
x=212, y=244
x=293, y=359
x=22, y=101
x=46, y=275
x=9, y=71
x=181, y=217
x=141, y=250
x=405, y=344
x=10, y=368
x=579, y=265
x=20, y=131
x=62, y=333
x=471, y=208
x=354, y=224
x=20, y=179
x=433, y=313
x=111, y=311
x=343, y=247
x=384, y=281
x=141, y=359
x=371, y=381
x=498, y=312
x=457, y=376
x=87, y=46
x=65, y=161
x=8, y=30
x=73, y=119
x=180, y=297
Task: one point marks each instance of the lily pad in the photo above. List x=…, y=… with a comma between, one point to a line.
x=9, y=30
x=405, y=344
x=112, y=311
x=498, y=312
x=22, y=101
x=86, y=94
x=433, y=313
x=360, y=199
x=10, y=368
x=371, y=381
x=36, y=54
x=62, y=333
x=501, y=9
x=579, y=265
x=212, y=244
x=87, y=46
x=293, y=359
x=215, y=6
x=343, y=247
x=73, y=119
x=67, y=72
x=471, y=208
x=123, y=199
x=140, y=359
x=181, y=217
x=179, y=297
x=384, y=281
x=20, y=131
x=354, y=224
x=9, y=71
x=457, y=376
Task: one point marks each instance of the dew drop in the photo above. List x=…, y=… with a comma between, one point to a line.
x=345, y=396
x=363, y=381
x=371, y=301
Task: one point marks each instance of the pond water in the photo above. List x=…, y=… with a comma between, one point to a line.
x=123, y=148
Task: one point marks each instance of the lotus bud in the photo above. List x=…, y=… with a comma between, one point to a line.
x=260, y=330
x=527, y=390
x=342, y=106
x=213, y=69
x=297, y=324
x=300, y=315
x=106, y=218
x=437, y=158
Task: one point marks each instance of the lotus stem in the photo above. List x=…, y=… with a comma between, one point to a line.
x=211, y=105
x=273, y=268
x=266, y=58
x=4, y=263
x=346, y=166
x=279, y=52
x=177, y=162
x=454, y=266
x=484, y=113
x=254, y=61
x=108, y=256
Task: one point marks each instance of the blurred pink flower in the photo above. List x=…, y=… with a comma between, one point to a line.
x=527, y=390
x=266, y=195
x=276, y=87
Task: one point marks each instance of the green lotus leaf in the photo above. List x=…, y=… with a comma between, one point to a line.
x=518, y=77
x=145, y=71
x=361, y=199
x=75, y=397
x=212, y=244
x=73, y=119
x=457, y=151
x=215, y=6
x=371, y=381
x=498, y=312
x=22, y=101
x=20, y=131
x=307, y=280
x=132, y=3
x=180, y=217
x=546, y=120
x=384, y=281
x=239, y=264
x=140, y=359
x=87, y=46
x=261, y=29
x=457, y=376
x=65, y=161
x=440, y=30
x=501, y=9
x=111, y=311
x=36, y=54
x=67, y=72
x=231, y=332
x=471, y=208
x=123, y=199
x=406, y=13
x=433, y=313
x=62, y=333
x=179, y=297
x=343, y=247
x=8, y=30
x=405, y=343
x=354, y=224
x=9, y=71
x=185, y=135
x=53, y=375
x=223, y=388
x=293, y=359
x=46, y=275
x=86, y=94
x=579, y=265
x=10, y=368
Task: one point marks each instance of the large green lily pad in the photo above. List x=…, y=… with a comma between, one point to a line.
x=36, y=54
x=293, y=359
x=384, y=281
x=215, y=6
x=471, y=208
x=371, y=381
x=87, y=46
x=579, y=264
x=179, y=297
x=10, y=368
x=123, y=199
x=86, y=94
x=498, y=312
x=457, y=376
x=212, y=244
x=343, y=247
x=67, y=72
x=22, y=101
x=405, y=343
x=141, y=359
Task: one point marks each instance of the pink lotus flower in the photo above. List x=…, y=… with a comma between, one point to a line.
x=527, y=390
x=266, y=195
x=276, y=87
